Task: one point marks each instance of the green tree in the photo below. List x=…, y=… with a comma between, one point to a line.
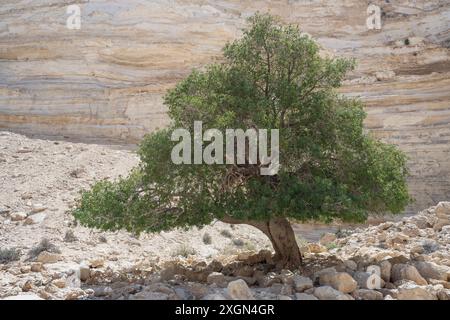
x=273, y=78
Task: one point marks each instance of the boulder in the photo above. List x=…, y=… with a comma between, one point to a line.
x=268, y=280
x=341, y=281
x=36, y=267
x=96, y=263
x=443, y=295
x=430, y=270
x=440, y=223
x=367, y=280
x=442, y=209
x=286, y=276
x=216, y=278
x=350, y=264
x=238, y=290
x=414, y=293
x=328, y=293
x=302, y=283
x=36, y=208
x=48, y=257
x=385, y=270
x=304, y=296
x=18, y=216
x=421, y=222
x=316, y=248
x=35, y=218
x=197, y=290
x=407, y=272
x=60, y=283
x=366, y=294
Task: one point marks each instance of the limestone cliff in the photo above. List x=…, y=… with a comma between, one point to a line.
x=105, y=81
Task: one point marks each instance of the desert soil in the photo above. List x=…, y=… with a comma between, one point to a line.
x=41, y=179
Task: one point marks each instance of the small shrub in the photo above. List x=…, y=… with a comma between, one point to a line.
x=226, y=233
x=70, y=236
x=44, y=245
x=183, y=251
x=9, y=255
x=207, y=239
x=407, y=42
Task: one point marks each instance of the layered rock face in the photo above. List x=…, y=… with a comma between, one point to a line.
x=106, y=80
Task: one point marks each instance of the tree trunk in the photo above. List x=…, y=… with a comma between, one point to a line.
x=287, y=252
x=280, y=233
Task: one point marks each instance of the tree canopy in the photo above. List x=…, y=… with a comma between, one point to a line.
x=273, y=77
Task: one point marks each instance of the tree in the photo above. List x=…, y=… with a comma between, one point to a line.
x=273, y=77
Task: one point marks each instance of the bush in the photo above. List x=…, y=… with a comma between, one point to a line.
x=43, y=245
x=226, y=233
x=9, y=255
x=184, y=251
x=70, y=236
x=207, y=239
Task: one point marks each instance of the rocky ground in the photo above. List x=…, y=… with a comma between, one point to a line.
x=45, y=255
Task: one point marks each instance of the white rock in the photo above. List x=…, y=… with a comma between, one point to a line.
x=18, y=216
x=442, y=209
x=48, y=257
x=36, y=208
x=238, y=290
x=286, y=276
x=36, y=267
x=302, y=283
x=385, y=269
x=430, y=270
x=217, y=278
x=85, y=271
x=407, y=272
x=328, y=293
x=350, y=264
x=416, y=293
x=366, y=294
x=367, y=280
x=35, y=218
x=304, y=296
x=341, y=281
x=96, y=263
